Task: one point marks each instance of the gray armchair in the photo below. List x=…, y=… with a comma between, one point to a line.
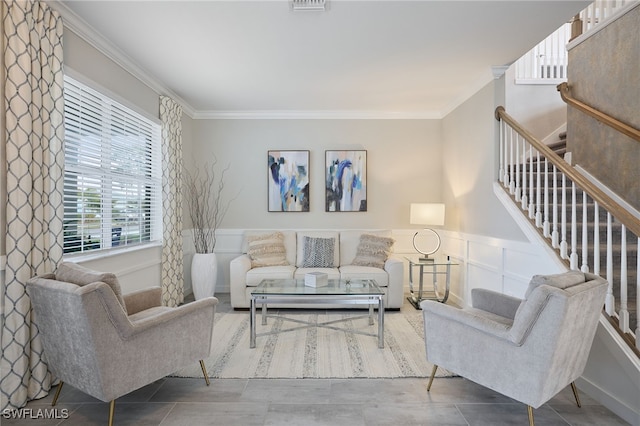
x=528, y=350
x=108, y=345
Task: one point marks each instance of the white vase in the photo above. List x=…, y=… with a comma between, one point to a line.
x=204, y=274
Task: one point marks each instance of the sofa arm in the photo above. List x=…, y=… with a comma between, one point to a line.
x=238, y=269
x=494, y=302
x=395, y=287
x=140, y=300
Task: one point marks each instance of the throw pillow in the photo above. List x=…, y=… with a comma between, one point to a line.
x=267, y=250
x=318, y=252
x=373, y=250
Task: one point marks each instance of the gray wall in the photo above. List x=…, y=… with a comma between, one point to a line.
x=404, y=165
x=605, y=73
x=538, y=107
x=470, y=167
x=89, y=62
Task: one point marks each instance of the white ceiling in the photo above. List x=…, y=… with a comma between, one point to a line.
x=394, y=58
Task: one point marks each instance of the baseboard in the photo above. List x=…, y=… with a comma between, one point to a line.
x=611, y=402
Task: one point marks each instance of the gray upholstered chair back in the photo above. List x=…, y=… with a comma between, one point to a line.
x=528, y=350
x=78, y=324
x=92, y=344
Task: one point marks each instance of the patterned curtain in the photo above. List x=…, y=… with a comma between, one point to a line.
x=34, y=107
x=172, y=262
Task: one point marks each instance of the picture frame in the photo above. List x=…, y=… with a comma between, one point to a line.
x=288, y=180
x=346, y=181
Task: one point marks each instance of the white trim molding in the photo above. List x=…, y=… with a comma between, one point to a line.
x=76, y=24
x=317, y=115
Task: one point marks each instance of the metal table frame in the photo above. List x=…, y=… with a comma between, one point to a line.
x=263, y=299
x=429, y=267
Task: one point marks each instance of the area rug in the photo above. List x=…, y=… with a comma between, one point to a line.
x=316, y=352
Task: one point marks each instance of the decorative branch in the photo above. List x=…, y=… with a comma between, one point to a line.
x=203, y=192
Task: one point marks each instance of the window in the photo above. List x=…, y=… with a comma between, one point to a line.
x=112, y=178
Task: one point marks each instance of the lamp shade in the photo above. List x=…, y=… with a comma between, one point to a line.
x=427, y=214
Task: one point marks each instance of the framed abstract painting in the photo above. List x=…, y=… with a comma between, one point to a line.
x=346, y=181
x=288, y=181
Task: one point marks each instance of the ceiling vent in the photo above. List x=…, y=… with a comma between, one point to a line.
x=310, y=5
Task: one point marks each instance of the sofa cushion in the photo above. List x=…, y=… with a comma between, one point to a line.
x=81, y=276
x=317, y=234
x=256, y=275
x=373, y=251
x=350, y=240
x=267, y=250
x=332, y=273
x=318, y=252
x=354, y=272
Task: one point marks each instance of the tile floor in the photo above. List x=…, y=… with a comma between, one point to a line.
x=189, y=402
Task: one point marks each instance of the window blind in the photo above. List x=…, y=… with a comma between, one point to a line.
x=112, y=179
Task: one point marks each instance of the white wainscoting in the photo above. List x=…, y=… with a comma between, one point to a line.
x=501, y=265
x=483, y=262
x=136, y=268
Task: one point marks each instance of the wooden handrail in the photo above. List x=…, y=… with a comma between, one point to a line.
x=614, y=123
x=610, y=205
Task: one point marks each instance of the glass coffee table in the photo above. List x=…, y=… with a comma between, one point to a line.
x=337, y=292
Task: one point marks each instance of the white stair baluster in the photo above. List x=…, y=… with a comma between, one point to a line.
x=532, y=211
x=501, y=176
x=609, y=301
x=585, y=235
x=624, y=309
x=524, y=199
x=517, y=193
x=505, y=179
x=555, y=243
x=512, y=184
x=563, y=220
x=573, y=258
x=596, y=238
x=546, y=225
x=538, y=194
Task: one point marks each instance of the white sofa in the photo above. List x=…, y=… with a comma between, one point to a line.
x=243, y=277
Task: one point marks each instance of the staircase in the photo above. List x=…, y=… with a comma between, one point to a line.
x=575, y=219
x=559, y=147
x=588, y=250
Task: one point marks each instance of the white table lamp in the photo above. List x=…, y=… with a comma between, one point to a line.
x=427, y=214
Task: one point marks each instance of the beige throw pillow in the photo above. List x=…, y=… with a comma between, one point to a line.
x=373, y=250
x=267, y=250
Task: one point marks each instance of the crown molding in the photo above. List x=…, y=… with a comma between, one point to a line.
x=316, y=115
x=77, y=25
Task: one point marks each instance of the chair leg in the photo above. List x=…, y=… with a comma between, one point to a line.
x=55, y=397
x=112, y=409
x=433, y=374
x=530, y=411
x=575, y=393
x=204, y=372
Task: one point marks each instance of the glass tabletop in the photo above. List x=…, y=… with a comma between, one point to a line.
x=334, y=287
x=438, y=260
